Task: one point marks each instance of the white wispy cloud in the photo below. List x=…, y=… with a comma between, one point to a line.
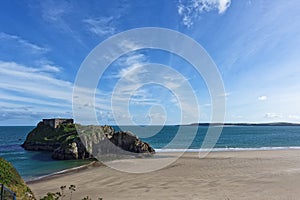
x=223, y=5
x=237, y=116
x=50, y=68
x=129, y=45
x=283, y=117
x=36, y=93
x=54, y=12
x=273, y=115
x=101, y=26
x=192, y=10
x=19, y=41
x=15, y=69
x=132, y=66
x=226, y=94
x=33, y=85
x=24, y=49
x=262, y=98
x=145, y=85
x=60, y=15
x=294, y=117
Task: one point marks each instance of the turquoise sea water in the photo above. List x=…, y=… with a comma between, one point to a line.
x=35, y=164
x=30, y=164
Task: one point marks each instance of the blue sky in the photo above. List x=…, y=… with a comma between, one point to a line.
x=255, y=45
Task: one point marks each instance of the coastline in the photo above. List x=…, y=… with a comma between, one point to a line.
x=220, y=175
x=64, y=172
x=159, y=153
x=228, y=149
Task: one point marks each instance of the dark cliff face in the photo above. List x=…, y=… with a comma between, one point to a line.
x=82, y=142
x=72, y=150
x=130, y=142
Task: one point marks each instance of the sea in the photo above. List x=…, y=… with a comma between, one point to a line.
x=33, y=164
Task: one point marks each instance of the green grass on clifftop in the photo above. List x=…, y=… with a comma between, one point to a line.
x=45, y=133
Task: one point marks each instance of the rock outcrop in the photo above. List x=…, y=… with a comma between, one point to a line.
x=129, y=142
x=45, y=138
x=70, y=141
x=72, y=150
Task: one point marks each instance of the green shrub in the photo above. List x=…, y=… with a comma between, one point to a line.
x=61, y=195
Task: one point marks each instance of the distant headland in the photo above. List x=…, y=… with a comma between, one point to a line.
x=246, y=124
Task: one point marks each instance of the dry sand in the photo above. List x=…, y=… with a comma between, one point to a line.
x=221, y=175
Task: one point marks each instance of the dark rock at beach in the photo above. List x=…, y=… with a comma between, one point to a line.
x=68, y=141
x=71, y=150
x=130, y=142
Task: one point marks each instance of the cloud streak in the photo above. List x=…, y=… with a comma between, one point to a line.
x=192, y=10
x=142, y=85
x=273, y=115
x=262, y=98
x=34, y=88
x=101, y=26
x=20, y=42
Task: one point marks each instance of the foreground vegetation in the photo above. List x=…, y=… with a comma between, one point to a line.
x=10, y=177
x=12, y=180
x=62, y=194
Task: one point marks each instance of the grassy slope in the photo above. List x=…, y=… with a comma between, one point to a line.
x=11, y=179
x=44, y=133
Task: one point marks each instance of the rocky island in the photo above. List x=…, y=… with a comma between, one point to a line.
x=68, y=141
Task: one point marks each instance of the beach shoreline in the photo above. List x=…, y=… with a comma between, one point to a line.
x=263, y=174
x=64, y=172
x=159, y=153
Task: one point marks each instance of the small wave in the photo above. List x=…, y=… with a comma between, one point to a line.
x=226, y=149
x=65, y=171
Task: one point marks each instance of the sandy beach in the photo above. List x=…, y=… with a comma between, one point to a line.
x=221, y=175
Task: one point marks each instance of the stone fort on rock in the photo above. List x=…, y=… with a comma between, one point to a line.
x=55, y=122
